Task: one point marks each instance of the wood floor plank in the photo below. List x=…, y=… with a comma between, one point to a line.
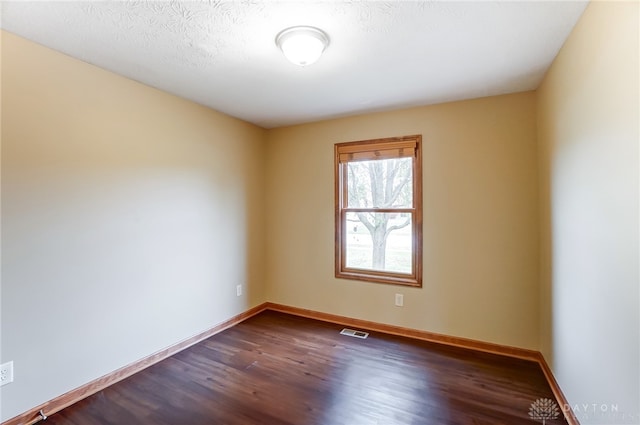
x=279, y=369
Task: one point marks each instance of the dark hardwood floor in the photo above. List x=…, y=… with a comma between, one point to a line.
x=276, y=368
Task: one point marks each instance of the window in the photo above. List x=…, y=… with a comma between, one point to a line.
x=379, y=210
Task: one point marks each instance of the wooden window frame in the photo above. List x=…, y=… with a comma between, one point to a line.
x=394, y=147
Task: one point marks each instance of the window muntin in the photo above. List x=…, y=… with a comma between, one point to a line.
x=379, y=210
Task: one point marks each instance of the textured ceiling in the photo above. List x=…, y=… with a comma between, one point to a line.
x=383, y=55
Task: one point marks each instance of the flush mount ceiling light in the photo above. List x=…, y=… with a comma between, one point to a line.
x=302, y=45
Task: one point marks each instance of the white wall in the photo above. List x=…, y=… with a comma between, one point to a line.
x=128, y=218
x=588, y=124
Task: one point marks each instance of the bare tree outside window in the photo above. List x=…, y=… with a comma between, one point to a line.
x=381, y=184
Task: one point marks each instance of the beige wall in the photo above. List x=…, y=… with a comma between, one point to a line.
x=129, y=217
x=480, y=220
x=589, y=136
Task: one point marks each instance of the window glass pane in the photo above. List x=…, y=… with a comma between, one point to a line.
x=385, y=183
x=379, y=241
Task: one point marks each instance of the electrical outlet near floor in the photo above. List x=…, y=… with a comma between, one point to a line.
x=399, y=300
x=238, y=290
x=6, y=373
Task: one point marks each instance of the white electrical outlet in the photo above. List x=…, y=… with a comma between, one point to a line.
x=238, y=290
x=399, y=300
x=6, y=373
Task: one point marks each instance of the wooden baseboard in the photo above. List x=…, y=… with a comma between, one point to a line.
x=50, y=407
x=470, y=344
x=569, y=415
x=32, y=416
x=487, y=347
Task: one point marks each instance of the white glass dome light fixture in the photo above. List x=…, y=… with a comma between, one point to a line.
x=302, y=45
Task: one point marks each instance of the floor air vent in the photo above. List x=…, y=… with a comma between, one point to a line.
x=355, y=334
